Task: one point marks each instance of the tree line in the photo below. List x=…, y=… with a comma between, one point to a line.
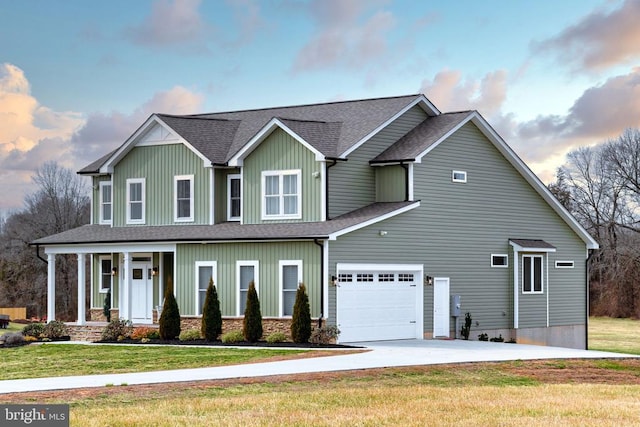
x=600, y=186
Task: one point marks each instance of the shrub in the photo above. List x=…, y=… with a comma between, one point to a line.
x=233, y=337
x=35, y=330
x=170, y=317
x=497, y=339
x=29, y=338
x=13, y=338
x=55, y=329
x=301, y=320
x=106, y=307
x=325, y=335
x=145, y=332
x=117, y=330
x=276, y=337
x=211, y=315
x=189, y=335
x=252, y=325
x=483, y=337
x=466, y=329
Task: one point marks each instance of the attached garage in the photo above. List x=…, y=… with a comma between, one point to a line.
x=376, y=302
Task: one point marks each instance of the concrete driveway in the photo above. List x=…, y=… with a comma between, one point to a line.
x=380, y=355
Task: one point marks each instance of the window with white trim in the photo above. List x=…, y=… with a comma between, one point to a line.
x=281, y=194
x=183, y=198
x=290, y=277
x=135, y=201
x=364, y=277
x=205, y=271
x=105, y=274
x=344, y=277
x=564, y=264
x=234, y=197
x=246, y=272
x=458, y=176
x=405, y=277
x=500, y=260
x=106, y=197
x=532, y=274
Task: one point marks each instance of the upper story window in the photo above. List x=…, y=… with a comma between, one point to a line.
x=281, y=194
x=135, y=201
x=106, y=203
x=458, y=176
x=183, y=201
x=234, y=195
x=532, y=274
x=500, y=260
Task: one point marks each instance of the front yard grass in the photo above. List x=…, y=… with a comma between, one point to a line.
x=615, y=335
x=54, y=360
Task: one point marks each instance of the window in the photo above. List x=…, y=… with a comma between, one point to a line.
x=532, y=274
x=499, y=260
x=290, y=277
x=281, y=197
x=246, y=272
x=135, y=201
x=105, y=274
x=405, y=277
x=386, y=277
x=364, y=277
x=105, y=202
x=459, y=176
x=564, y=264
x=234, y=195
x=343, y=277
x=183, y=202
x=205, y=270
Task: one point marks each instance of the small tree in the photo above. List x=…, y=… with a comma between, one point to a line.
x=211, y=315
x=106, y=308
x=170, y=317
x=301, y=321
x=252, y=325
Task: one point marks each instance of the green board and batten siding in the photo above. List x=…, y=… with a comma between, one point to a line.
x=280, y=151
x=226, y=255
x=153, y=163
x=459, y=225
x=352, y=184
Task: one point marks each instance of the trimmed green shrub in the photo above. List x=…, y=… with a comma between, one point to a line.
x=189, y=335
x=106, y=307
x=55, y=329
x=211, y=315
x=35, y=330
x=170, y=317
x=276, y=337
x=117, y=330
x=325, y=335
x=301, y=320
x=252, y=325
x=233, y=337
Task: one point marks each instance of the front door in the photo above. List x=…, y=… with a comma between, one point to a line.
x=441, y=307
x=141, y=293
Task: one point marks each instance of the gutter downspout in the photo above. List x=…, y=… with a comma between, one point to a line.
x=317, y=242
x=587, y=281
x=38, y=255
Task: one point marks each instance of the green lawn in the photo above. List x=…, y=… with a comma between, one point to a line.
x=616, y=335
x=47, y=360
x=13, y=327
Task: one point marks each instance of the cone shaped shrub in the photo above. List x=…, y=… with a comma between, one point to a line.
x=170, y=317
x=301, y=321
x=252, y=326
x=211, y=315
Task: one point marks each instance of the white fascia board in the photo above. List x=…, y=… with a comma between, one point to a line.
x=263, y=134
x=110, y=248
x=130, y=143
x=421, y=100
x=334, y=236
x=518, y=248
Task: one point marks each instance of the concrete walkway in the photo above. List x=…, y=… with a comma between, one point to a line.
x=382, y=354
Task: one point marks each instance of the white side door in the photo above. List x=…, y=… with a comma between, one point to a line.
x=441, y=307
x=141, y=293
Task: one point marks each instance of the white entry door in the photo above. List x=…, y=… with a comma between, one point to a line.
x=441, y=307
x=141, y=293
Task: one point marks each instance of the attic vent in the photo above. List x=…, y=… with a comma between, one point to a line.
x=458, y=176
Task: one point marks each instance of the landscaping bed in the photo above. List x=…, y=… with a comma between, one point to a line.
x=202, y=342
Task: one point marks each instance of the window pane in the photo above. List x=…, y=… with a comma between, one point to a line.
x=105, y=266
x=290, y=277
x=288, y=300
x=271, y=185
x=243, y=301
x=106, y=212
x=235, y=207
x=289, y=183
x=184, y=189
x=526, y=274
x=235, y=187
x=135, y=192
x=106, y=194
x=204, y=274
x=290, y=205
x=273, y=205
x=202, y=295
x=537, y=274
x=136, y=210
x=184, y=208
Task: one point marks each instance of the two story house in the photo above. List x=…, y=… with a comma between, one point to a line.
x=386, y=209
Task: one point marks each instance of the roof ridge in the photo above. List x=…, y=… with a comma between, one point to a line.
x=304, y=120
x=195, y=117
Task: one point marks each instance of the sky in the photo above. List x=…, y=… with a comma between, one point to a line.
x=78, y=77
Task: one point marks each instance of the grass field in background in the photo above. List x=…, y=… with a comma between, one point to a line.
x=616, y=335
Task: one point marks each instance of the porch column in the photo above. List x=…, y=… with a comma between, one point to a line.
x=51, y=287
x=82, y=294
x=125, y=292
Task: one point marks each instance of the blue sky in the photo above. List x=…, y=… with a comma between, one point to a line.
x=78, y=77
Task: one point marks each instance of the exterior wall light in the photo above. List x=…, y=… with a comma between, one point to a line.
x=114, y=271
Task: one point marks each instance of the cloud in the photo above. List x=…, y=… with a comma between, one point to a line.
x=176, y=23
x=600, y=40
x=342, y=39
x=248, y=18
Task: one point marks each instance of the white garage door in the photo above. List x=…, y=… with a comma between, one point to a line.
x=376, y=302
